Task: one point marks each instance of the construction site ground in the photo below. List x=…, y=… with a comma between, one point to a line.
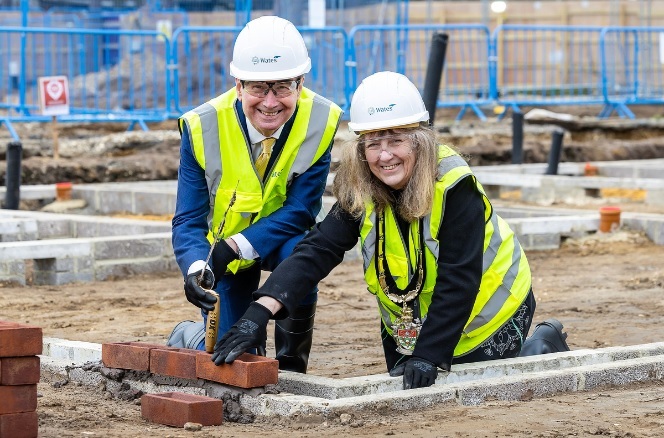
x=606, y=288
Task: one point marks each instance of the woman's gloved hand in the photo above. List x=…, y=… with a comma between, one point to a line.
x=419, y=373
x=249, y=332
x=194, y=289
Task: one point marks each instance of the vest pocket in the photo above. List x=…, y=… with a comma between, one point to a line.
x=246, y=205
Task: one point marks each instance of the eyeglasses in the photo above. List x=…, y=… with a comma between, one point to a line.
x=280, y=88
x=397, y=144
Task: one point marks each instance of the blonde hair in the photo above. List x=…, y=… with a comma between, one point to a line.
x=354, y=184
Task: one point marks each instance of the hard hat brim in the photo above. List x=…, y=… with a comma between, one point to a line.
x=404, y=122
x=245, y=75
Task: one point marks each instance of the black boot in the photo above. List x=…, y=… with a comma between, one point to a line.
x=293, y=337
x=548, y=337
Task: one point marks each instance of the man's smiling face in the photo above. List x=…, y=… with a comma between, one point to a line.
x=269, y=112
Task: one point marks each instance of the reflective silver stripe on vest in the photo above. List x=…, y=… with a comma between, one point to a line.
x=369, y=247
x=445, y=165
x=429, y=240
x=385, y=314
x=449, y=163
x=320, y=111
x=502, y=294
x=212, y=150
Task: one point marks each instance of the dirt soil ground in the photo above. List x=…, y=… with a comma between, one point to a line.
x=607, y=289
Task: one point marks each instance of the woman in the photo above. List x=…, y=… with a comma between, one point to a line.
x=452, y=282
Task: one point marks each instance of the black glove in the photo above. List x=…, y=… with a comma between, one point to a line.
x=398, y=370
x=249, y=332
x=419, y=373
x=222, y=255
x=194, y=290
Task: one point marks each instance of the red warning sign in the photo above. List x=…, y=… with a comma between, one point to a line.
x=53, y=95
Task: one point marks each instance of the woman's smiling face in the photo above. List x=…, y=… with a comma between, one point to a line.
x=390, y=156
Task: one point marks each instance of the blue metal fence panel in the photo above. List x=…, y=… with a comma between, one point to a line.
x=633, y=67
x=139, y=75
x=547, y=65
x=41, y=19
x=202, y=56
x=405, y=49
x=136, y=87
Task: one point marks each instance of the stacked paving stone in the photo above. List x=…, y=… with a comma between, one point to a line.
x=175, y=408
x=19, y=374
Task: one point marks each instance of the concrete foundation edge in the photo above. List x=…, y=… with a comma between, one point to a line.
x=471, y=384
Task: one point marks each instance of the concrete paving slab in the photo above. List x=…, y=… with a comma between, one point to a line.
x=570, y=184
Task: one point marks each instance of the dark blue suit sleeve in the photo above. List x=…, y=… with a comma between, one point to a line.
x=298, y=214
x=323, y=248
x=192, y=207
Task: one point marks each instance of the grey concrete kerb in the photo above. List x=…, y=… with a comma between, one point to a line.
x=469, y=384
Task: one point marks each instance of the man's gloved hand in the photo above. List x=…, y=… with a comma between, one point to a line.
x=222, y=255
x=195, y=293
x=249, y=332
x=419, y=373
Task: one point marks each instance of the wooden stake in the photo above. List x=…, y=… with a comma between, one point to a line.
x=56, y=145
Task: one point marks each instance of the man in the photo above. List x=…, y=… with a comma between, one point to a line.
x=264, y=147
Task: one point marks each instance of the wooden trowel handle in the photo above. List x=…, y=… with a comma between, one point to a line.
x=212, y=325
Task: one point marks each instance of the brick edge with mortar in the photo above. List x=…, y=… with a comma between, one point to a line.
x=247, y=371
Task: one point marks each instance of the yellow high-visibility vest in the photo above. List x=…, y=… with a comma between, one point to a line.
x=221, y=148
x=506, y=277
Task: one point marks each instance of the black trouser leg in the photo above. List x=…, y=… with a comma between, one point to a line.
x=548, y=337
x=293, y=337
x=507, y=341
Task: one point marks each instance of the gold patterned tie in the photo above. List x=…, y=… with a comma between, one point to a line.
x=264, y=157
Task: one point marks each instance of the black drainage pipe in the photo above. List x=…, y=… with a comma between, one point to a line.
x=434, y=73
x=517, y=137
x=554, y=154
x=13, y=176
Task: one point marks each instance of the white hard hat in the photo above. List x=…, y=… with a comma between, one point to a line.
x=386, y=100
x=269, y=48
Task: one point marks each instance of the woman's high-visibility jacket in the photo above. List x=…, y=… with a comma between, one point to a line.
x=506, y=277
x=215, y=133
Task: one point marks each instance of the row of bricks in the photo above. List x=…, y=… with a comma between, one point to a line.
x=18, y=406
x=19, y=374
x=19, y=340
x=247, y=371
x=21, y=425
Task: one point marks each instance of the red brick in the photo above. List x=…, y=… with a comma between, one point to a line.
x=174, y=362
x=176, y=409
x=128, y=355
x=19, y=398
x=19, y=370
x=19, y=340
x=152, y=346
x=247, y=371
x=23, y=425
